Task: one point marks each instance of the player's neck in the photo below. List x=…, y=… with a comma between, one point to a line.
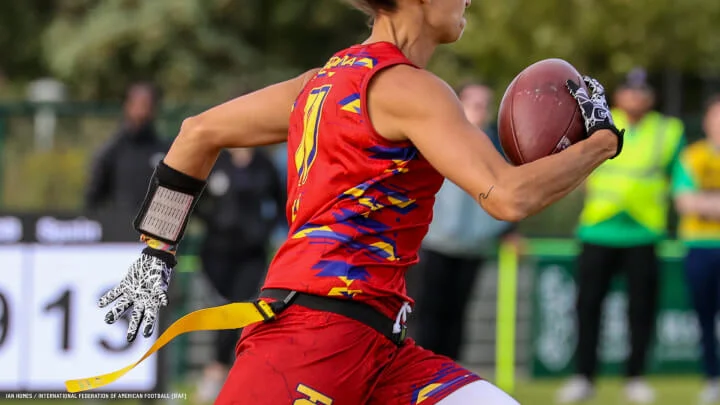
x=406, y=34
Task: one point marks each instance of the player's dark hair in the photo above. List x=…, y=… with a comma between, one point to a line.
x=372, y=7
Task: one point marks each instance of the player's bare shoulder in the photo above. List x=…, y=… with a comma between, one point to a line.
x=307, y=76
x=404, y=93
x=405, y=83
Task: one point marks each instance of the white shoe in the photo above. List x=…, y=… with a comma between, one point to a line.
x=637, y=391
x=710, y=394
x=576, y=390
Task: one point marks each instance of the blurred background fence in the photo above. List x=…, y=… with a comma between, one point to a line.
x=47, y=168
x=50, y=173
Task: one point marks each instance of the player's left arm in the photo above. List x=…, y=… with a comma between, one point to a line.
x=255, y=119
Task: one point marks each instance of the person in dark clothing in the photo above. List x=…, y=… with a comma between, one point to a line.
x=242, y=206
x=123, y=165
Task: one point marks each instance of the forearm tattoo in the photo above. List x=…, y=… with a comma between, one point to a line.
x=485, y=195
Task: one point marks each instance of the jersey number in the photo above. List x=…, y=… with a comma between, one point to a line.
x=307, y=151
x=313, y=397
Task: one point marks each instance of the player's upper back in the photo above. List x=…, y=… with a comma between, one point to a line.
x=333, y=148
x=353, y=196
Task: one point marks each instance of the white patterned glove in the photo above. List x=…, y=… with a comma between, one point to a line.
x=594, y=108
x=143, y=289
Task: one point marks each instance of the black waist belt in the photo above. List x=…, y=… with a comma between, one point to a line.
x=352, y=309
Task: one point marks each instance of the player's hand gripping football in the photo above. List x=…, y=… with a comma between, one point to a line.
x=143, y=291
x=594, y=107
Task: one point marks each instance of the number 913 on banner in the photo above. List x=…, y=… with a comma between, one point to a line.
x=51, y=329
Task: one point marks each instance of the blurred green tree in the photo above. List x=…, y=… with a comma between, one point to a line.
x=194, y=47
x=603, y=38
x=21, y=25
x=205, y=49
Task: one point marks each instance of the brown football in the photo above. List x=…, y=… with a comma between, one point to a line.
x=537, y=115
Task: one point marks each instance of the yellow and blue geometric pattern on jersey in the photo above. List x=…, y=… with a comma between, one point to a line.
x=355, y=229
x=439, y=388
x=351, y=103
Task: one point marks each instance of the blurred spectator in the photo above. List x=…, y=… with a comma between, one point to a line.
x=123, y=165
x=279, y=156
x=624, y=217
x=453, y=249
x=696, y=185
x=242, y=205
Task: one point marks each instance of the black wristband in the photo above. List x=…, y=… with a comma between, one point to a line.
x=169, y=258
x=621, y=137
x=170, y=199
x=176, y=180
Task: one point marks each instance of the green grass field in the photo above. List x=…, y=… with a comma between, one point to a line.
x=670, y=391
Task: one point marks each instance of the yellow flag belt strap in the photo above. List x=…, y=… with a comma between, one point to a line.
x=231, y=316
x=241, y=314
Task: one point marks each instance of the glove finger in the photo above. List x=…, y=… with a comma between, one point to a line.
x=595, y=87
x=135, y=320
x=151, y=314
x=117, y=311
x=572, y=87
x=162, y=298
x=110, y=296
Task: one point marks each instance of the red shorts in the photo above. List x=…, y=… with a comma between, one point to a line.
x=310, y=357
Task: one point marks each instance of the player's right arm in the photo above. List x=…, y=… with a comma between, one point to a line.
x=255, y=119
x=408, y=103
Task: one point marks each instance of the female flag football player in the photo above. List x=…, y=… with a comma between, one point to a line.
x=370, y=137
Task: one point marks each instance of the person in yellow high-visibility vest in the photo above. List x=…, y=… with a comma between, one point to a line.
x=623, y=218
x=696, y=187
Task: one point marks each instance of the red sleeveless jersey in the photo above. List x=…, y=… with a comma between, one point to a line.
x=358, y=204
